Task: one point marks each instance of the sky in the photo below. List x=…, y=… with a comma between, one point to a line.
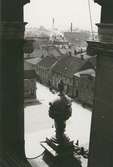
x=40, y=13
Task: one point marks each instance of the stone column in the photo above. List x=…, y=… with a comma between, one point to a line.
x=101, y=139
x=12, y=84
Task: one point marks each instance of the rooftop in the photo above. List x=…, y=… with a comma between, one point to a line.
x=90, y=72
x=83, y=55
x=33, y=61
x=69, y=65
x=47, y=61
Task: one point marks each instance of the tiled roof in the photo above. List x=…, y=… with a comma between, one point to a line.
x=36, y=53
x=83, y=54
x=52, y=50
x=34, y=60
x=47, y=61
x=90, y=72
x=69, y=65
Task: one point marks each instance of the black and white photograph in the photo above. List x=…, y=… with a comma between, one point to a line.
x=56, y=83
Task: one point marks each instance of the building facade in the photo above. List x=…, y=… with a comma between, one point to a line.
x=86, y=87
x=65, y=69
x=29, y=84
x=44, y=68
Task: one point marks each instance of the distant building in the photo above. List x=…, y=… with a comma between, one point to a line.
x=85, y=87
x=28, y=47
x=44, y=68
x=78, y=38
x=65, y=68
x=33, y=46
x=35, y=32
x=29, y=84
x=43, y=39
x=55, y=51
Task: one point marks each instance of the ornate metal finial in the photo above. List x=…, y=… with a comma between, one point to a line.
x=60, y=145
x=60, y=110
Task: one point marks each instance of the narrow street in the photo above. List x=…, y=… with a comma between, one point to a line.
x=38, y=125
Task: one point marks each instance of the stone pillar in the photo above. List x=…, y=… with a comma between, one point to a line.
x=101, y=138
x=12, y=84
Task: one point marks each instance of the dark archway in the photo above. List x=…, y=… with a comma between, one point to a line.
x=12, y=29
x=11, y=87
